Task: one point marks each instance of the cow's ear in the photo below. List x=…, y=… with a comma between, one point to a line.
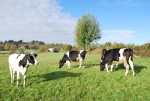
x=35, y=55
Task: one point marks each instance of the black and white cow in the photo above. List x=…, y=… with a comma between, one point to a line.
x=19, y=63
x=73, y=56
x=124, y=55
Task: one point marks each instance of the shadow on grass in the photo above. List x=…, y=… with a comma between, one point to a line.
x=137, y=68
x=57, y=75
x=91, y=65
x=86, y=65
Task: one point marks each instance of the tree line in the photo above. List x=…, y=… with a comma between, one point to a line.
x=7, y=45
x=40, y=46
x=12, y=46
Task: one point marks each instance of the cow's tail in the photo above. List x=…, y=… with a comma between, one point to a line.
x=130, y=55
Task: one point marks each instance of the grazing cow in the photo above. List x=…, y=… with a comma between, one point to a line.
x=19, y=63
x=73, y=56
x=124, y=55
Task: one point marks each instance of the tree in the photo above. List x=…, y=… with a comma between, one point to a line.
x=87, y=31
x=12, y=48
x=7, y=46
x=67, y=47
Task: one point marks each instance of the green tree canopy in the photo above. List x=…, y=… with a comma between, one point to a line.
x=87, y=31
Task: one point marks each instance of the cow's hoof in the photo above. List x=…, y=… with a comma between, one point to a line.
x=126, y=74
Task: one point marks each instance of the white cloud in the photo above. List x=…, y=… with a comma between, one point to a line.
x=118, y=36
x=41, y=20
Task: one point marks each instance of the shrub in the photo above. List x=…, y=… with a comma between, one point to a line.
x=43, y=49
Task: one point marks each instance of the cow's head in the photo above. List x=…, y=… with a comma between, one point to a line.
x=102, y=66
x=61, y=63
x=32, y=59
x=28, y=59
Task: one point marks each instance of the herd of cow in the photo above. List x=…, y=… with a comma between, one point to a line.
x=20, y=62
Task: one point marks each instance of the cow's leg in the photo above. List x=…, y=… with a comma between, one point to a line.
x=127, y=68
x=24, y=82
x=132, y=66
x=81, y=63
x=107, y=67
x=116, y=64
x=68, y=63
x=12, y=75
x=111, y=67
x=24, y=76
x=18, y=78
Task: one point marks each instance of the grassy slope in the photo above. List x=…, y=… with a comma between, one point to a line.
x=48, y=82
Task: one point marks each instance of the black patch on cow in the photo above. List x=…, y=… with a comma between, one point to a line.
x=103, y=53
x=65, y=58
x=31, y=59
x=23, y=62
x=112, y=55
x=128, y=52
x=73, y=55
x=82, y=54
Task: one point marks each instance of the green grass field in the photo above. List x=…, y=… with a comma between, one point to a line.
x=47, y=82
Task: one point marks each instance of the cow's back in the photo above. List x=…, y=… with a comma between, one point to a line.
x=14, y=60
x=73, y=55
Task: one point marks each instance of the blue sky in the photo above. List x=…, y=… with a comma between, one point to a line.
x=54, y=21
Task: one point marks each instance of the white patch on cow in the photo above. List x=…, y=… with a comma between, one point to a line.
x=23, y=70
x=67, y=53
x=121, y=53
x=68, y=63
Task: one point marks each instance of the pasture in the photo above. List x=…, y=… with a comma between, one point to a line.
x=48, y=82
